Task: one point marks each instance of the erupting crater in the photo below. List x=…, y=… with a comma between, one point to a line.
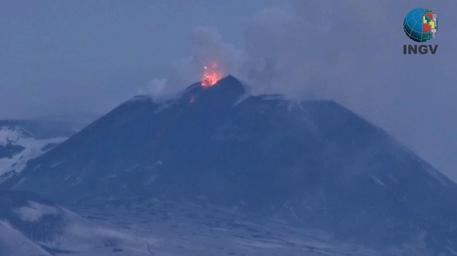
x=211, y=75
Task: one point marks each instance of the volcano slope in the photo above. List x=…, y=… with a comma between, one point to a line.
x=313, y=163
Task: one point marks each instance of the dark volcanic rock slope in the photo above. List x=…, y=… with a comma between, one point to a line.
x=313, y=163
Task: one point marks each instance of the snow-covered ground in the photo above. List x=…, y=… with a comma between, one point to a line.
x=208, y=232
x=13, y=242
x=30, y=226
x=159, y=229
x=26, y=146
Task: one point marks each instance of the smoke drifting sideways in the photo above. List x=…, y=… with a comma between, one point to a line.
x=350, y=52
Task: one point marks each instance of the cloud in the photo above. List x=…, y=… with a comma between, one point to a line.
x=34, y=211
x=157, y=89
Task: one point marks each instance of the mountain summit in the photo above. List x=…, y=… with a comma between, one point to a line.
x=312, y=163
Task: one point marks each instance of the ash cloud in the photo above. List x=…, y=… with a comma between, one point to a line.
x=208, y=48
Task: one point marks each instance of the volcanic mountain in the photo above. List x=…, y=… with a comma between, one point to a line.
x=311, y=163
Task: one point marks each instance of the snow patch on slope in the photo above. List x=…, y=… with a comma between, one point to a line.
x=35, y=211
x=13, y=242
x=32, y=148
x=10, y=136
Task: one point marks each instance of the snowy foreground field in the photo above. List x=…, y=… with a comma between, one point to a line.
x=158, y=229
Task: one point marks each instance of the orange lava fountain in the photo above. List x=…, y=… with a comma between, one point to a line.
x=211, y=75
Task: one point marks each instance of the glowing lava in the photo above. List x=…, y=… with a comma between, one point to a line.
x=211, y=74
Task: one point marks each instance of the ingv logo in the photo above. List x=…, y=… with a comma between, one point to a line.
x=421, y=49
x=420, y=25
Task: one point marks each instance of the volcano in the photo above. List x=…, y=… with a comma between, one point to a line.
x=312, y=163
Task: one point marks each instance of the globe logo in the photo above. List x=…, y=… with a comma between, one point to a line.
x=420, y=24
